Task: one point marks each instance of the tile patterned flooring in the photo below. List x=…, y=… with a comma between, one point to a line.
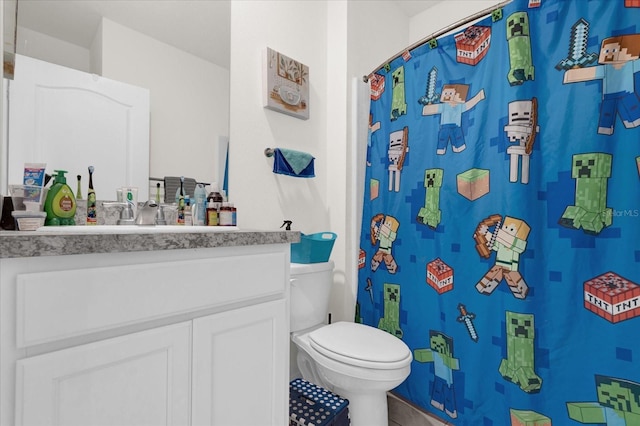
x=402, y=413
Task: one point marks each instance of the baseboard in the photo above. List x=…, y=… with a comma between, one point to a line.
x=404, y=413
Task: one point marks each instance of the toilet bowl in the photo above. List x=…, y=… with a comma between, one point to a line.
x=356, y=361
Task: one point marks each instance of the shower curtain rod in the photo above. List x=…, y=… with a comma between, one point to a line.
x=437, y=34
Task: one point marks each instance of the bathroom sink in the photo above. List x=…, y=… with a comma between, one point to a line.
x=132, y=229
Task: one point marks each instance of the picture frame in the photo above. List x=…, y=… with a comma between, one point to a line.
x=286, y=85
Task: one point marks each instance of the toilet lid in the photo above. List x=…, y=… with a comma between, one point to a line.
x=357, y=343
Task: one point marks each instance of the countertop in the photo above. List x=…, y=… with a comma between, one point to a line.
x=37, y=243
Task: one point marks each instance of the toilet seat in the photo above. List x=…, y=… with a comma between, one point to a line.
x=360, y=345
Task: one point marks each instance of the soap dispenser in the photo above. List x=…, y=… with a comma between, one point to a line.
x=60, y=204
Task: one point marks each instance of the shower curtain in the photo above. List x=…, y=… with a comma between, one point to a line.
x=501, y=219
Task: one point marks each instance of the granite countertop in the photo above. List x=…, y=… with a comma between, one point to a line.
x=37, y=243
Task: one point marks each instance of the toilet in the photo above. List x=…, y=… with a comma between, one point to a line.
x=356, y=361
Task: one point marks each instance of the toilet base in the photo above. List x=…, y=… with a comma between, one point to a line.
x=366, y=408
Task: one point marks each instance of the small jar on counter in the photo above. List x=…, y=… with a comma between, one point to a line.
x=226, y=214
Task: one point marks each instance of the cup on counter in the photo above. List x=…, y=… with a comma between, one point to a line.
x=128, y=194
x=27, y=197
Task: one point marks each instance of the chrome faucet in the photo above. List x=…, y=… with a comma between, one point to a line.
x=150, y=214
x=147, y=214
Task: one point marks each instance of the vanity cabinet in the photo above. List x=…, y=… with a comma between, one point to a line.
x=172, y=337
x=137, y=379
x=240, y=350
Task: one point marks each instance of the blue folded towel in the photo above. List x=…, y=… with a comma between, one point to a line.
x=293, y=163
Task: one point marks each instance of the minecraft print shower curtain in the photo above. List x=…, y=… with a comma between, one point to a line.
x=501, y=220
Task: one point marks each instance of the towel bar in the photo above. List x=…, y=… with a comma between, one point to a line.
x=268, y=152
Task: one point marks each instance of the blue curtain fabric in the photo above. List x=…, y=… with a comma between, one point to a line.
x=501, y=220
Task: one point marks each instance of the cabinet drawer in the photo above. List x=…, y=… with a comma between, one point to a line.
x=65, y=303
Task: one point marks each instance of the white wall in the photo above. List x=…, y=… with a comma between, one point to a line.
x=443, y=14
x=41, y=46
x=189, y=100
x=377, y=30
x=314, y=33
x=264, y=199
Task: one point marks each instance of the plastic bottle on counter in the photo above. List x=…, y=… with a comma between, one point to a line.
x=212, y=214
x=215, y=196
x=200, y=205
x=60, y=203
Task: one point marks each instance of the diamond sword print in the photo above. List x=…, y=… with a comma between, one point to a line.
x=467, y=318
x=430, y=95
x=578, y=56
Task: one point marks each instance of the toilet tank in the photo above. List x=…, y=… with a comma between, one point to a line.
x=310, y=290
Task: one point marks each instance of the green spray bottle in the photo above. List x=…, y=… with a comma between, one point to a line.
x=60, y=204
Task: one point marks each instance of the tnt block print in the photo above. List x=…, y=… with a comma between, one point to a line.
x=472, y=44
x=377, y=86
x=439, y=276
x=631, y=3
x=612, y=297
x=362, y=259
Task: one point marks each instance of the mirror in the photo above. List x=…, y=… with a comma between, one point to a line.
x=177, y=49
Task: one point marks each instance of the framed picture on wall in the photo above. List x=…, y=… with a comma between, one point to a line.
x=286, y=85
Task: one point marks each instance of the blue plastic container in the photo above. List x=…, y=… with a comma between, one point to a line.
x=314, y=248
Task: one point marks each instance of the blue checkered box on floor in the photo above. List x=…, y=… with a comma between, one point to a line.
x=312, y=405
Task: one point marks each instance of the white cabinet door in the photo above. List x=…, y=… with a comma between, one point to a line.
x=240, y=367
x=137, y=379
